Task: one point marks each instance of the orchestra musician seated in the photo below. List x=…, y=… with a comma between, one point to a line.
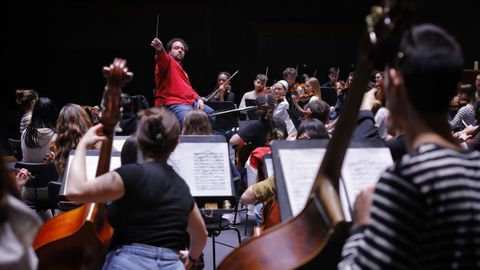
x=151, y=206
x=224, y=87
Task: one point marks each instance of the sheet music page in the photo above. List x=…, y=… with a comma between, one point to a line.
x=91, y=166
x=362, y=168
x=204, y=166
x=300, y=167
x=117, y=144
x=269, y=166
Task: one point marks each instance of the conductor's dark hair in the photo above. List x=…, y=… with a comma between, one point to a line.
x=431, y=62
x=170, y=43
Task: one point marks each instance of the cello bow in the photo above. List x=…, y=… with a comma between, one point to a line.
x=79, y=239
x=314, y=238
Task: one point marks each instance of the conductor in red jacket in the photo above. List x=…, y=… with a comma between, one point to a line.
x=173, y=88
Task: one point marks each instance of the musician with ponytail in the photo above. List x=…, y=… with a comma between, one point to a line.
x=151, y=207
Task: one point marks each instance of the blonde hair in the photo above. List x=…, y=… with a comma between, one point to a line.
x=315, y=86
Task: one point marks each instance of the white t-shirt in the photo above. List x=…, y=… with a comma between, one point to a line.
x=282, y=113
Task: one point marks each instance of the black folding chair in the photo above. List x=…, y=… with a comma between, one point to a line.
x=41, y=176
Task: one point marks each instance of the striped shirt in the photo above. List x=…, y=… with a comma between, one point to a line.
x=466, y=113
x=425, y=215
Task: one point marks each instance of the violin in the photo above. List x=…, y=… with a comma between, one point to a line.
x=297, y=88
x=267, y=90
x=314, y=238
x=78, y=239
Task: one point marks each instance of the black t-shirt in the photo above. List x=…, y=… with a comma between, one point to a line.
x=154, y=209
x=257, y=131
x=228, y=96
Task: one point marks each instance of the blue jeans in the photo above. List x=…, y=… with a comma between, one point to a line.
x=139, y=256
x=180, y=110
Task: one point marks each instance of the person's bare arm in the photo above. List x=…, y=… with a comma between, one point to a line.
x=248, y=197
x=198, y=236
x=237, y=140
x=106, y=187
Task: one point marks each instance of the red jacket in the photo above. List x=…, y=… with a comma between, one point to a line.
x=172, y=83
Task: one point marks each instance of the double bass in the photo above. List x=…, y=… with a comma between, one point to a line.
x=79, y=239
x=314, y=238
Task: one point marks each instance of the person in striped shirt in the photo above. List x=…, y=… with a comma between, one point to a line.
x=424, y=213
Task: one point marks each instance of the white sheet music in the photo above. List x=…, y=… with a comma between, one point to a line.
x=268, y=167
x=118, y=142
x=91, y=166
x=204, y=166
x=300, y=167
x=362, y=168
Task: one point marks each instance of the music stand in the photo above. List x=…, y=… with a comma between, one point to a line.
x=92, y=157
x=226, y=121
x=203, y=162
x=252, y=115
x=296, y=164
x=329, y=95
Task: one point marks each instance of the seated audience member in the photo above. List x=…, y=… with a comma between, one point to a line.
x=40, y=132
x=149, y=227
x=26, y=98
x=424, y=211
x=129, y=122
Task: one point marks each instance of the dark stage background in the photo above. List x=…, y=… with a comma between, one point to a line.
x=59, y=48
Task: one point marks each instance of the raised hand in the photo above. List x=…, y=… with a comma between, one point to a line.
x=157, y=44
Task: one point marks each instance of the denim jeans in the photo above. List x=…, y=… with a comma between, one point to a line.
x=139, y=256
x=180, y=110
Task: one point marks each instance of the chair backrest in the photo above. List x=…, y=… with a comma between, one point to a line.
x=15, y=148
x=41, y=173
x=53, y=193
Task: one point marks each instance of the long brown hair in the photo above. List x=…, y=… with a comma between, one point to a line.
x=72, y=123
x=196, y=123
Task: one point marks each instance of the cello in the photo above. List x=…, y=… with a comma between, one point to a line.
x=314, y=238
x=79, y=239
